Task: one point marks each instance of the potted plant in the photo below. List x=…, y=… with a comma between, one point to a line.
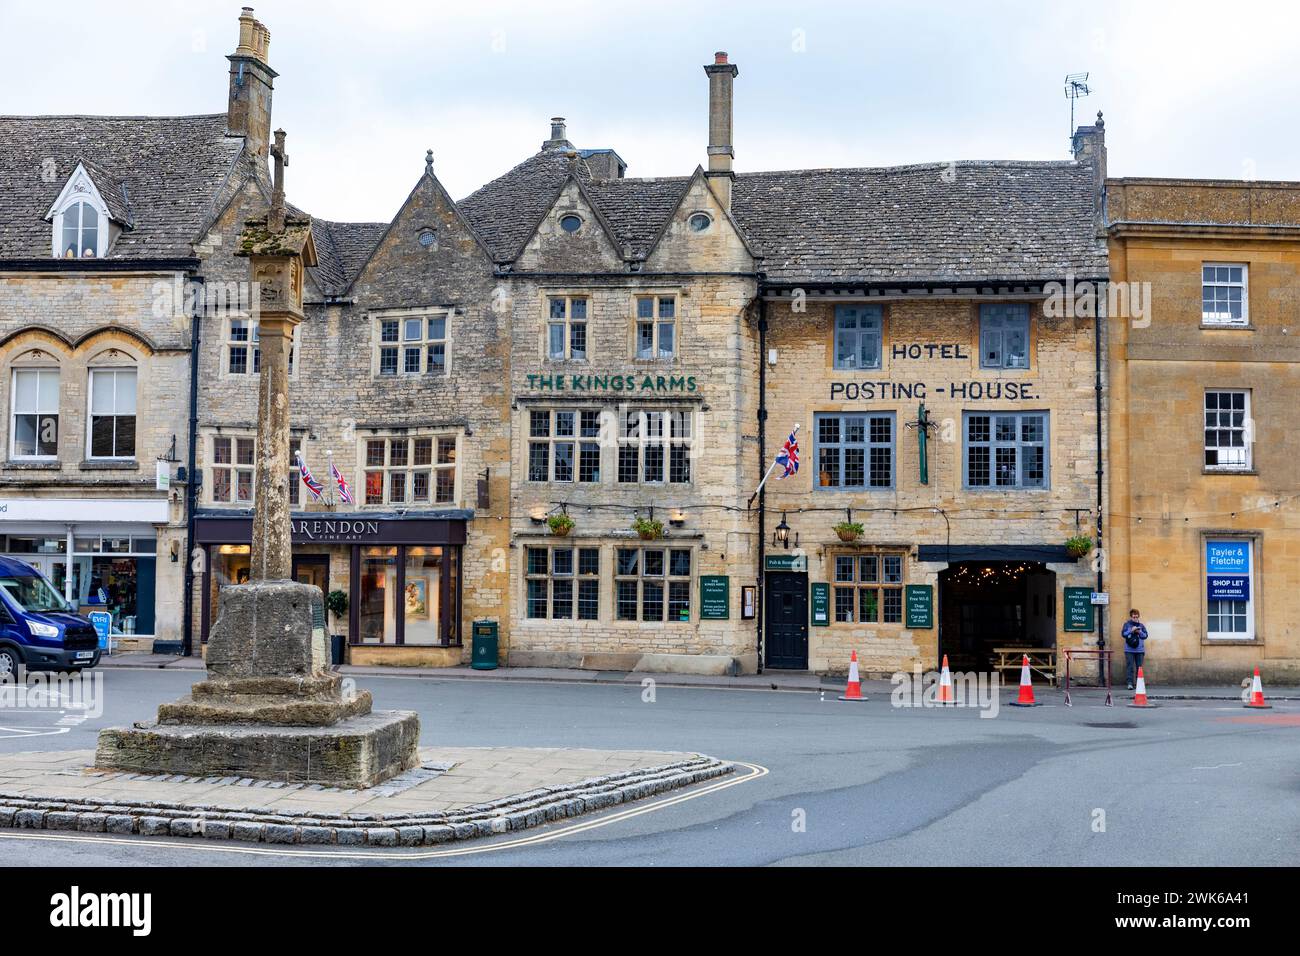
x=336, y=602
x=848, y=530
x=1078, y=546
x=560, y=524
x=648, y=528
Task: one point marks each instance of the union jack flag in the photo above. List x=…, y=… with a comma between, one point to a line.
x=314, y=486
x=788, y=456
x=345, y=493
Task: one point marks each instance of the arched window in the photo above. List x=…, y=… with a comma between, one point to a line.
x=80, y=231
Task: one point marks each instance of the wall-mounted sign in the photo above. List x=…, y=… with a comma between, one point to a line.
x=821, y=604
x=786, y=562
x=929, y=351
x=715, y=597
x=162, y=475
x=749, y=601
x=1228, y=587
x=1079, y=615
x=631, y=382
x=919, y=602
x=1099, y=597
x=1227, y=557
x=976, y=391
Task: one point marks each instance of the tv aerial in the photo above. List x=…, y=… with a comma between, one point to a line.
x=1076, y=85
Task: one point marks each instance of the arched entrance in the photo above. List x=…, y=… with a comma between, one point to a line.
x=989, y=604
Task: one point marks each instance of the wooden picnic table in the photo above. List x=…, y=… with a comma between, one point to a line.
x=1042, y=661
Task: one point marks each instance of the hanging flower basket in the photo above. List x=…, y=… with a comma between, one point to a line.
x=848, y=531
x=648, y=529
x=1078, y=546
x=560, y=525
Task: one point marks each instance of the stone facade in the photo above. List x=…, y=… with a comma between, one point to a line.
x=1169, y=501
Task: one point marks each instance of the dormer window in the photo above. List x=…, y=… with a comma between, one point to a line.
x=80, y=231
x=84, y=224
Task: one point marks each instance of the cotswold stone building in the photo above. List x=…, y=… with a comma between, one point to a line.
x=544, y=409
x=1202, y=454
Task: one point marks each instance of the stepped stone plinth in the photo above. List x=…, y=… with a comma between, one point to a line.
x=270, y=708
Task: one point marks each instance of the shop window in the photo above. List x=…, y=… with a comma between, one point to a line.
x=652, y=584
x=857, y=336
x=656, y=327
x=403, y=470
x=422, y=596
x=1004, y=336
x=654, y=446
x=34, y=432
x=566, y=328
x=243, y=348
x=1224, y=299
x=411, y=344
x=563, y=583
x=112, y=413
x=117, y=574
x=855, y=451
x=1227, y=430
x=1006, y=451
x=564, y=445
x=401, y=595
x=1230, y=586
x=868, y=588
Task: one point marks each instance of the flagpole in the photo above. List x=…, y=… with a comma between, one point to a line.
x=329, y=462
x=768, y=473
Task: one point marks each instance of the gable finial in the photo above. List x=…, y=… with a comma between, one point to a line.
x=275, y=219
x=1101, y=123
x=428, y=162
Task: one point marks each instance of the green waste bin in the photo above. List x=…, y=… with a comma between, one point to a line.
x=485, y=646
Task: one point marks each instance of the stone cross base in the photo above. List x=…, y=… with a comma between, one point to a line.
x=353, y=754
x=270, y=708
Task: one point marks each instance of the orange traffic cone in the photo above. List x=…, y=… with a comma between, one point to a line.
x=1026, y=698
x=854, y=689
x=946, y=695
x=1140, y=695
x=1257, y=694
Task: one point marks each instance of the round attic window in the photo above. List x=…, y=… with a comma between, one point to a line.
x=570, y=223
x=427, y=238
x=699, y=221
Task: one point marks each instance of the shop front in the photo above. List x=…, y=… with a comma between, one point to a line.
x=101, y=555
x=393, y=582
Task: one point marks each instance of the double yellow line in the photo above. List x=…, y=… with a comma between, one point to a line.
x=477, y=846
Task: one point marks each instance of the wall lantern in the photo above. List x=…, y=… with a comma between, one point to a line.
x=678, y=518
x=781, y=535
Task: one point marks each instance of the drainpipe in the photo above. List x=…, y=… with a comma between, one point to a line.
x=761, y=610
x=191, y=484
x=1101, y=473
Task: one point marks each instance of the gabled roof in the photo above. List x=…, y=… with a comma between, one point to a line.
x=111, y=191
x=638, y=209
x=342, y=250
x=506, y=211
x=159, y=174
x=968, y=221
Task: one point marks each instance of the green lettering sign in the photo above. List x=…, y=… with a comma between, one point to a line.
x=919, y=601
x=715, y=597
x=821, y=604
x=1079, y=615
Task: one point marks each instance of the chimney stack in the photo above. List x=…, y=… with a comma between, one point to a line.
x=721, y=152
x=248, y=110
x=558, y=135
x=1090, y=149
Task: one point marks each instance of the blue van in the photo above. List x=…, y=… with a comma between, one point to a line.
x=38, y=630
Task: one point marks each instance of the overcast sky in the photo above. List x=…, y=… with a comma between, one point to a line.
x=366, y=86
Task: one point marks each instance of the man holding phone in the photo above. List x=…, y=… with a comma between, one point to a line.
x=1135, y=645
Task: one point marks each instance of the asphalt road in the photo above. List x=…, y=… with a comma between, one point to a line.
x=1189, y=783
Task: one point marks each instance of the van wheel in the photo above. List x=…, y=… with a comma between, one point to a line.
x=9, y=664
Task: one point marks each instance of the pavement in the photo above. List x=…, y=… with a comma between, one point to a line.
x=817, y=781
x=778, y=680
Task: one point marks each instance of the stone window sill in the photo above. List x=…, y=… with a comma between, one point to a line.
x=1224, y=327
x=1224, y=642
x=110, y=464
x=1230, y=471
x=33, y=465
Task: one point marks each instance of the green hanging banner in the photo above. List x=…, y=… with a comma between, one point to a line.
x=922, y=438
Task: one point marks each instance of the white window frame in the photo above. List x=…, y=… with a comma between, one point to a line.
x=252, y=365
x=655, y=323
x=78, y=189
x=1226, y=284
x=1246, y=428
x=675, y=440
x=90, y=415
x=425, y=343
x=566, y=325
x=1253, y=550
x=40, y=371
x=440, y=443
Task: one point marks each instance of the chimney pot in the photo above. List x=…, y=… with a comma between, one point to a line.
x=557, y=128
x=248, y=108
x=720, y=56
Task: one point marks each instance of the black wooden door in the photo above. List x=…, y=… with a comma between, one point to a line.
x=786, y=620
